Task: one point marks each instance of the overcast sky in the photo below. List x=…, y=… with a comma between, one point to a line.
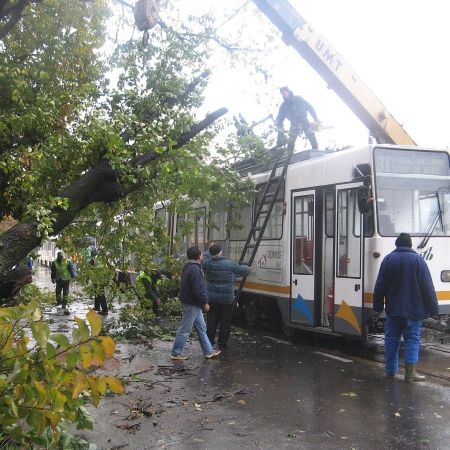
x=399, y=49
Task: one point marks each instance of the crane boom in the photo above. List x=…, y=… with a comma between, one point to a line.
x=332, y=67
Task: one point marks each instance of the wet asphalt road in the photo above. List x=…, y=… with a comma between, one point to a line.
x=264, y=393
x=269, y=395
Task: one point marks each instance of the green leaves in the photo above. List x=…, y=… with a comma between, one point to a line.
x=62, y=340
x=42, y=380
x=41, y=333
x=60, y=121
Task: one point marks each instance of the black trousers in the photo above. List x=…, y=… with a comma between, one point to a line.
x=219, y=316
x=297, y=129
x=62, y=286
x=100, y=303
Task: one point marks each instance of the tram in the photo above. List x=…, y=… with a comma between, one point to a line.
x=334, y=219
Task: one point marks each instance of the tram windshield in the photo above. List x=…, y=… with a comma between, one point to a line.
x=412, y=192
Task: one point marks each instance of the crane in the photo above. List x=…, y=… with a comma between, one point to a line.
x=332, y=67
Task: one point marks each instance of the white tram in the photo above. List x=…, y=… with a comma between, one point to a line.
x=335, y=218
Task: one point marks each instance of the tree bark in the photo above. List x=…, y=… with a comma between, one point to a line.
x=12, y=13
x=101, y=184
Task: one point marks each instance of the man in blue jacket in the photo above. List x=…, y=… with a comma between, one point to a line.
x=220, y=275
x=404, y=284
x=194, y=301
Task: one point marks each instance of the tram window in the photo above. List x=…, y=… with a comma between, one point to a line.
x=274, y=228
x=179, y=246
x=329, y=214
x=201, y=227
x=197, y=221
x=412, y=191
x=162, y=223
x=368, y=219
x=160, y=215
x=304, y=233
x=217, y=226
x=170, y=225
x=369, y=226
x=343, y=211
x=190, y=223
x=349, y=244
x=240, y=223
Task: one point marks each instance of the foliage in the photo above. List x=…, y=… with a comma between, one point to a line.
x=136, y=318
x=41, y=99
x=134, y=322
x=32, y=293
x=45, y=378
x=116, y=103
x=171, y=307
x=57, y=121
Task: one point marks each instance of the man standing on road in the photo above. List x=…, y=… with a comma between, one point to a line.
x=99, y=272
x=404, y=284
x=194, y=301
x=61, y=273
x=296, y=109
x=220, y=274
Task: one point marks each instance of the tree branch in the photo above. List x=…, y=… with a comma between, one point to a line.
x=149, y=116
x=15, y=14
x=122, y=2
x=101, y=184
x=183, y=139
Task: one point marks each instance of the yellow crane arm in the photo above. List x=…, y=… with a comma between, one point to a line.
x=332, y=67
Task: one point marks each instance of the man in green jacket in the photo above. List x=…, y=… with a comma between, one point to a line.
x=146, y=287
x=62, y=272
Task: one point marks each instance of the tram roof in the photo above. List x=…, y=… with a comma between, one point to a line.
x=252, y=166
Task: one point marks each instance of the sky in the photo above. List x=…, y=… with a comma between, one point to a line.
x=398, y=48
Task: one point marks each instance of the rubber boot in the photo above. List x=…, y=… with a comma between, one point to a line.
x=64, y=306
x=410, y=374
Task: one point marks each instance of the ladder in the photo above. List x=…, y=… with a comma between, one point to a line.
x=265, y=207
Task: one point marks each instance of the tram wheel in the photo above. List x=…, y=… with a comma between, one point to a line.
x=287, y=330
x=251, y=312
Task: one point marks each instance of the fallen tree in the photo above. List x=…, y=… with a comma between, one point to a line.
x=78, y=130
x=101, y=184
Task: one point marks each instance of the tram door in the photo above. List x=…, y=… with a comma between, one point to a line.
x=327, y=292
x=302, y=262
x=349, y=257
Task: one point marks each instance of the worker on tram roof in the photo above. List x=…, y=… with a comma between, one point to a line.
x=296, y=109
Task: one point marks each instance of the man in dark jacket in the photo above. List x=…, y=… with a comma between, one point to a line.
x=97, y=274
x=296, y=109
x=404, y=284
x=61, y=273
x=194, y=300
x=220, y=275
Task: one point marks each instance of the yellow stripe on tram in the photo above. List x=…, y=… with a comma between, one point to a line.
x=267, y=287
x=368, y=296
x=441, y=296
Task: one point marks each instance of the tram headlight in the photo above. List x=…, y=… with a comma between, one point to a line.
x=445, y=275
